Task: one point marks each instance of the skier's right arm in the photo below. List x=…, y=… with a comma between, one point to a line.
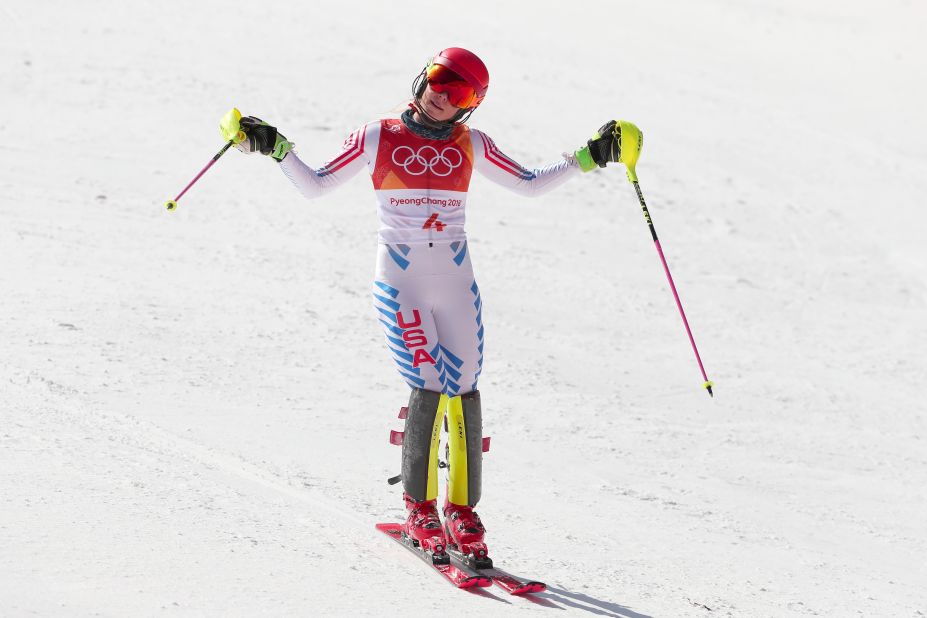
x=353, y=157
x=258, y=136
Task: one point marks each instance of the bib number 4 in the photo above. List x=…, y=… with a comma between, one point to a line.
x=433, y=222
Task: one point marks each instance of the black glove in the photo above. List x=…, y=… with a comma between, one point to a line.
x=605, y=145
x=263, y=138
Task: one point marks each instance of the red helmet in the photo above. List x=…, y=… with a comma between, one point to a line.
x=459, y=73
x=468, y=65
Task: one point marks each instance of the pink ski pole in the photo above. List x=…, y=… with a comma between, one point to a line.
x=172, y=204
x=656, y=241
x=632, y=140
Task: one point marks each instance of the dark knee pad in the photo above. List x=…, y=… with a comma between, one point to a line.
x=420, y=444
x=465, y=449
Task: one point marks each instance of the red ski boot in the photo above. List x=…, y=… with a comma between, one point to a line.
x=423, y=524
x=465, y=531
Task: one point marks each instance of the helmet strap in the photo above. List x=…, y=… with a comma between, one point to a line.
x=418, y=86
x=463, y=115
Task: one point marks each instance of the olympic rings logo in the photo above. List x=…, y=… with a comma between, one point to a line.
x=428, y=159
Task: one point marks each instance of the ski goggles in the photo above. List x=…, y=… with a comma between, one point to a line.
x=459, y=93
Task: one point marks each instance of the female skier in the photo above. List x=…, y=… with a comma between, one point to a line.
x=425, y=295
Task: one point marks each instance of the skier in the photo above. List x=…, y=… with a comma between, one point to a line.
x=424, y=291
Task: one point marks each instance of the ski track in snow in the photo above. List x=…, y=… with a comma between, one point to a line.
x=195, y=406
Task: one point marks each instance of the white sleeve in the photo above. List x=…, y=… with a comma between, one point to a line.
x=503, y=170
x=354, y=155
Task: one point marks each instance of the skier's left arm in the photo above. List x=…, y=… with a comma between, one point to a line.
x=602, y=149
x=505, y=171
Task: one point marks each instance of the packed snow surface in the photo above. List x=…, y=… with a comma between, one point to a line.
x=195, y=406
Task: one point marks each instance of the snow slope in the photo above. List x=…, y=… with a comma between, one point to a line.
x=195, y=406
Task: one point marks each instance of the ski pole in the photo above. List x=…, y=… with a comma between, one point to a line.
x=632, y=140
x=172, y=204
x=230, y=129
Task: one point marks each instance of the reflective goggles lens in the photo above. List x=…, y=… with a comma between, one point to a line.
x=459, y=93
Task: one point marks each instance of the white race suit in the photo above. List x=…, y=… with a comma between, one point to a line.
x=424, y=291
